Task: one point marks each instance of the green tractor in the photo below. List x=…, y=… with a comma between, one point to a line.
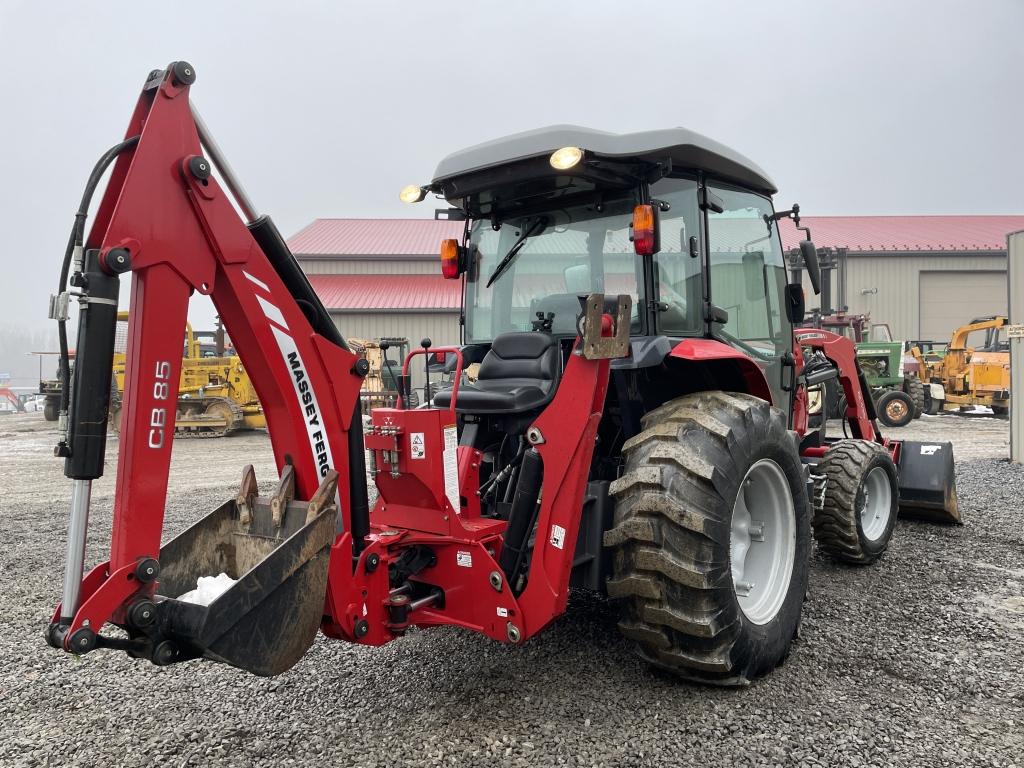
x=899, y=393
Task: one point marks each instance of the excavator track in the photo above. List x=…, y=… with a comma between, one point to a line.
x=207, y=417
x=197, y=418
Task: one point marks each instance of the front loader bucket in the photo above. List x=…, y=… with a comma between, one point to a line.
x=268, y=619
x=928, y=481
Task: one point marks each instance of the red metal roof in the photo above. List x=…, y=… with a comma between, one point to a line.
x=387, y=292
x=906, y=233
x=373, y=237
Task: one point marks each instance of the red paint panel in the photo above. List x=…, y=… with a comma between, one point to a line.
x=709, y=350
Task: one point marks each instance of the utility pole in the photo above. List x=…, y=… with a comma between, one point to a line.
x=1015, y=332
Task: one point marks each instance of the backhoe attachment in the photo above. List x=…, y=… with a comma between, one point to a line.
x=166, y=223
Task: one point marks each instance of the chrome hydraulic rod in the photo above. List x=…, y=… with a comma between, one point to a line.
x=81, y=493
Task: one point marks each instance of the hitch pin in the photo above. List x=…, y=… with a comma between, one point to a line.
x=415, y=605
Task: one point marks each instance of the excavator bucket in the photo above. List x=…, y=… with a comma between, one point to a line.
x=278, y=550
x=928, y=481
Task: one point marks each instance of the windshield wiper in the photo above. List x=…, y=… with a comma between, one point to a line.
x=539, y=225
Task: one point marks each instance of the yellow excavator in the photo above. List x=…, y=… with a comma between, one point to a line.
x=972, y=375
x=215, y=395
x=380, y=385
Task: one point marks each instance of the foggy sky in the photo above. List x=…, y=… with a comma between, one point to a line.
x=328, y=109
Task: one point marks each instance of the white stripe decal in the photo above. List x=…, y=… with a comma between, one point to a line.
x=272, y=312
x=308, y=404
x=256, y=280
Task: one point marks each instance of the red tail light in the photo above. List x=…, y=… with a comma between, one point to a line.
x=645, y=230
x=450, y=267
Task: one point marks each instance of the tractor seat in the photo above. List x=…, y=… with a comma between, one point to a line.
x=518, y=374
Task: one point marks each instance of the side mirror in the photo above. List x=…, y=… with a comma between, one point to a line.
x=577, y=279
x=810, y=256
x=794, y=298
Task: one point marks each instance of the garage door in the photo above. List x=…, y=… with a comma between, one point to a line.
x=951, y=299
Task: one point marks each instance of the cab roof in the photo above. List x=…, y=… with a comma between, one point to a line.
x=687, y=150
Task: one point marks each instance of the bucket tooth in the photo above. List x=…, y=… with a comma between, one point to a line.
x=247, y=493
x=284, y=493
x=324, y=497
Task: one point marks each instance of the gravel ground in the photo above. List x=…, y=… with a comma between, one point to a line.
x=915, y=661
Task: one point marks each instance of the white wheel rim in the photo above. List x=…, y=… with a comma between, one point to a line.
x=877, y=504
x=762, y=541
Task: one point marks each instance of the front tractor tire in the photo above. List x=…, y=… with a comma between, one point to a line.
x=915, y=389
x=711, y=538
x=856, y=499
x=895, y=408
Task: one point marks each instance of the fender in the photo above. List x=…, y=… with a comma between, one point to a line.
x=710, y=350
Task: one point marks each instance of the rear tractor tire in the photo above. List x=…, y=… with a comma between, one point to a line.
x=711, y=538
x=50, y=410
x=915, y=389
x=856, y=500
x=895, y=408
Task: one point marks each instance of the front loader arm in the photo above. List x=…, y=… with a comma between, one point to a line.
x=842, y=353
x=165, y=219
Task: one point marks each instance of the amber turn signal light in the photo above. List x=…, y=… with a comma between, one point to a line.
x=645, y=230
x=451, y=266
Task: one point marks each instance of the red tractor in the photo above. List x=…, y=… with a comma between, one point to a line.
x=637, y=422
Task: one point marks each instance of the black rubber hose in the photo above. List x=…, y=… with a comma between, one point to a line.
x=76, y=239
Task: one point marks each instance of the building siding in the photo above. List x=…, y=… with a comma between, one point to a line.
x=442, y=328
x=897, y=279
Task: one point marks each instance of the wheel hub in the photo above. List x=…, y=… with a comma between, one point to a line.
x=762, y=541
x=896, y=410
x=876, y=505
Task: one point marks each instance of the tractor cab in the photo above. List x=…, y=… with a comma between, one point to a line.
x=681, y=224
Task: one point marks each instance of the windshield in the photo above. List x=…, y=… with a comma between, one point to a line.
x=581, y=250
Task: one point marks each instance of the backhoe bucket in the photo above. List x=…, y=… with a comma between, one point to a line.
x=928, y=482
x=278, y=551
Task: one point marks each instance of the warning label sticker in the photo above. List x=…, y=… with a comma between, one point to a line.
x=503, y=612
x=417, y=446
x=464, y=559
x=451, y=466
x=558, y=536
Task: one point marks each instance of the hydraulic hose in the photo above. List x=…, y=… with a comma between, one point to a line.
x=76, y=241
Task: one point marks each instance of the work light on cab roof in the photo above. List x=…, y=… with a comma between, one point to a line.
x=412, y=193
x=565, y=158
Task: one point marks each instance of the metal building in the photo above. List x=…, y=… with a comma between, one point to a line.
x=923, y=275
x=382, y=277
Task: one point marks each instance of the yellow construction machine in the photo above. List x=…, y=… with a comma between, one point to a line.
x=380, y=386
x=972, y=375
x=215, y=395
